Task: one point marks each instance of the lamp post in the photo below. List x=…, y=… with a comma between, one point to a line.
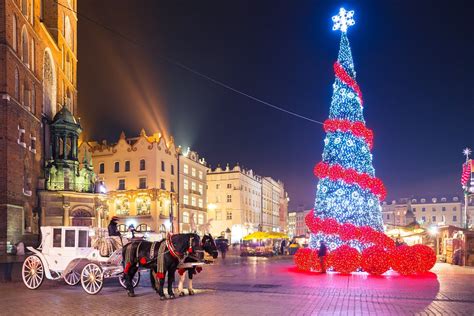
x=433, y=230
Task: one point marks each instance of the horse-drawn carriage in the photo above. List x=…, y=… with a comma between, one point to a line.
x=74, y=254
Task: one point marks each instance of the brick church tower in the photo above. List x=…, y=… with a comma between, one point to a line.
x=38, y=59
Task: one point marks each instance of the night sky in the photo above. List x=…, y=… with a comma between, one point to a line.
x=413, y=61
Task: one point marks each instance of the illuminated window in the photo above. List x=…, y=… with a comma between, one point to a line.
x=193, y=186
x=201, y=189
x=193, y=201
x=200, y=219
x=185, y=169
x=200, y=174
x=143, y=205
x=186, y=184
x=200, y=203
x=122, y=206
x=185, y=217
x=185, y=199
x=193, y=172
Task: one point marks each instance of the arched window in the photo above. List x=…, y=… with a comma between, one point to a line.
x=26, y=94
x=68, y=67
x=17, y=85
x=33, y=54
x=24, y=7
x=49, y=84
x=33, y=99
x=24, y=46
x=68, y=100
x=15, y=36
x=68, y=33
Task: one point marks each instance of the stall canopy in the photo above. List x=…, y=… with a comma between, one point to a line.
x=266, y=235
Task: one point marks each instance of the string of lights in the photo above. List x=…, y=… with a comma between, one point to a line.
x=192, y=70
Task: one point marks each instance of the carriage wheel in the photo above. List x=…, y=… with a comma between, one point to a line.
x=32, y=272
x=135, y=280
x=92, y=278
x=72, y=278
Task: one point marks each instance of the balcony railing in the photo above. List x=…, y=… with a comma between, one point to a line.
x=193, y=207
x=76, y=187
x=195, y=192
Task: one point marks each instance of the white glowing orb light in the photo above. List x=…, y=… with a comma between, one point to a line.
x=433, y=230
x=467, y=152
x=343, y=20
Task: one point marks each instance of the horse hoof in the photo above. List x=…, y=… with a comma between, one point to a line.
x=191, y=292
x=131, y=294
x=162, y=298
x=182, y=294
x=171, y=297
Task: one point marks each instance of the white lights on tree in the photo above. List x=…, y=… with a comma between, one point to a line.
x=343, y=20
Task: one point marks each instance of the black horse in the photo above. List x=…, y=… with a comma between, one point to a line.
x=209, y=246
x=177, y=248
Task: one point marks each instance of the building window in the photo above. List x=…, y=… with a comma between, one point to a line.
x=26, y=95
x=162, y=166
x=193, y=201
x=229, y=185
x=33, y=100
x=200, y=174
x=122, y=206
x=434, y=209
x=68, y=36
x=423, y=209
x=101, y=168
x=14, y=33
x=201, y=189
x=142, y=164
x=185, y=199
x=388, y=216
x=186, y=184
x=116, y=166
x=21, y=136
x=17, y=85
x=121, y=184
x=200, y=203
x=24, y=7
x=217, y=199
x=193, y=186
x=423, y=218
x=193, y=172
x=163, y=185
x=24, y=47
x=127, y=165
x=218, y=186
x=229, y=215
x=32, y=143
x=200, y=219
x=218, y=215
x=443, y=209
x=33, y=55
x=229, y=198
x=454, y=209
x=433, y=218
x=142, y=183
x=172, y=186
x=172, y=169
x=185, y=169
x=143, y=205
x=455, y=218
x=185, y=217
x=414, y=210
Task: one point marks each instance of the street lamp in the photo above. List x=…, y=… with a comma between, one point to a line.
x=433, y=231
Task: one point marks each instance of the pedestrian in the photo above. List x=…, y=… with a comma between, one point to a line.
x=132, y=230
x=223, y=246
x=322, y=256
x=283, y=247
x=113, y=228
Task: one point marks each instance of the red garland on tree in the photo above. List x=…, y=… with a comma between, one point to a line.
x=375, y=260
x=345, y=259
x=330, y=226
x=349, y=231
x=426, y=258
x=357, y=128
x=350, y=176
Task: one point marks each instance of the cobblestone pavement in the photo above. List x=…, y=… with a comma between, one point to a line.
x=260, y=286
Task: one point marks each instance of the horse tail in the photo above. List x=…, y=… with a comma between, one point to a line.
x=127, y=256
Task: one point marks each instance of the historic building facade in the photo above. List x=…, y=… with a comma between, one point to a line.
x=437, y=211
x=140, y=176
x=192, y=192
x=37, y=77
x=241, y=202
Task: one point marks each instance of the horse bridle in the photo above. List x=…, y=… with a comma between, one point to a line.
x=188, y=254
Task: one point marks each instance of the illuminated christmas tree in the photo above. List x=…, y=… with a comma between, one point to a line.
x=348, y=193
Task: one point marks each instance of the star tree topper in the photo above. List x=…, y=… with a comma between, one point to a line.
x=467, y=152
x=343, y=20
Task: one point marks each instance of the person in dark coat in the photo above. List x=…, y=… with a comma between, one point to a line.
x=113, y=229
x=322, y=256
